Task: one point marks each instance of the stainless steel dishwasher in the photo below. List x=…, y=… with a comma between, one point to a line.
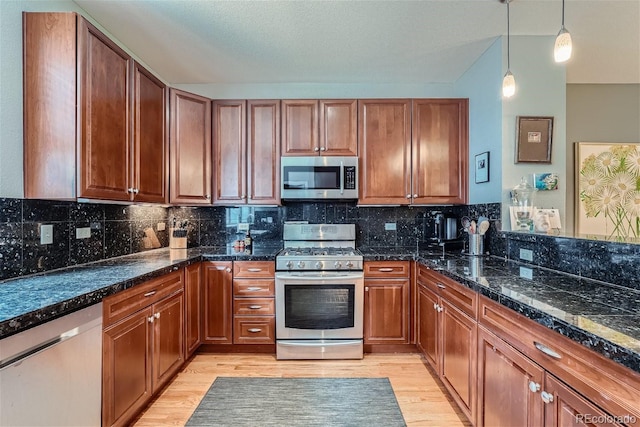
x=51, y=375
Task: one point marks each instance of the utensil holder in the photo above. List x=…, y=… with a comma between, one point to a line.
x=476, y=244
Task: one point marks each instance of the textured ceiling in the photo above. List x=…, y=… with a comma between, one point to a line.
x=307, y=41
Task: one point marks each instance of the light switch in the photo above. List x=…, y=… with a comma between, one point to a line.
x=389, y=226
x=83, y=232
x=46, y=234
x=526, y=254
x=161, y=226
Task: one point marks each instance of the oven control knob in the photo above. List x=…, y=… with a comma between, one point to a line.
x=289, y=265
x=337, y=265
x=349, y=264
x=300, y=264
x=319, y=265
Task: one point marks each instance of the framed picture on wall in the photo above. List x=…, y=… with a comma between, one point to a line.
x=533, y=139
x=482, y=167
x=607, y=199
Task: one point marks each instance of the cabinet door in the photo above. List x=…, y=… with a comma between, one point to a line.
x=570, y=409
x=504, y=380
x=150, y=152
x=229, y=152
x=193, y=309
x=263, y=152
x=126, y=368
x=300, y=127
x=168, y=339
x=190, y=147
x=384, y=140
x=459, y=360
x=218, y=302
x=386, y=311
x=339, y=127
x=428, y=324
x=440, y=151
x=104, y=116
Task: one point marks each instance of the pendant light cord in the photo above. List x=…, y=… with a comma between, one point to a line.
x=508, y=46
x=562, y=13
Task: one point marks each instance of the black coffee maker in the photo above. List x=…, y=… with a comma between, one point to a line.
x=446, y=227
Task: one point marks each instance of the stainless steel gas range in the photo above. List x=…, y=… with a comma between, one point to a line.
x=319, y=293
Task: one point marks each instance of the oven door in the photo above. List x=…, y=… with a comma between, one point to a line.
x=319, y=305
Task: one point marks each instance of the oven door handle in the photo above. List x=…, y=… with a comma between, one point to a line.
x=324, y=343
x=310, y=277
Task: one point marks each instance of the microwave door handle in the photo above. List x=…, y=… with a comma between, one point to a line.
x=341, y=177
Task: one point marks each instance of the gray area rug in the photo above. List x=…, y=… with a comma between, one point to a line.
x=258, y=402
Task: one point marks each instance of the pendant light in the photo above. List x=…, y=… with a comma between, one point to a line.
x=562, y=47
x=508, y=82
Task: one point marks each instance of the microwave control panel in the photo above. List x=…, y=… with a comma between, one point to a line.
x=350, y=177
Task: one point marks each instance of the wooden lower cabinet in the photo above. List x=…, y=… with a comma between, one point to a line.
x=504, y=380
x=218, y=302
x=192, y=308
x=143, y=345
x=386, y=302
x=254, y=320
x=447, y=337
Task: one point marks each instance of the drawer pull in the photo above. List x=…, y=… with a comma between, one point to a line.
x=254, y=330
x=254, y=288
x=546, y=350
x=385, y=269
x=221, y=267
x=254, y=270
x=255, y=307
x=440, y=285
x=150, y=293
x=533, y=386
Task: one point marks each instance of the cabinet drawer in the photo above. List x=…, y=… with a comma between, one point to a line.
x=249, y=269
x=254, y=330
x=122, y=304
x=254, y=288
x=603, y=381
x=253, y=306
x=460, y=296
x=386, y=269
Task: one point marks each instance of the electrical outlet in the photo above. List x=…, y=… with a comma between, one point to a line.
x=390, y=226
x=83, y=232
x=161, y=226
x=526, y=254
x=46, y=234
x=527, y=273
x=243, y=226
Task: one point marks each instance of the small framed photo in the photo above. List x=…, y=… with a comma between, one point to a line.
x=482, y=167
x=533, y=139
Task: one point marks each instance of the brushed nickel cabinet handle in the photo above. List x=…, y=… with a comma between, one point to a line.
x=255, y=307
x=150, y=293
x=157, y=315
x=150, y=319
x=254, y=270
x=440, y=285
x=385, y=269
x=254, y=330
x=254, y=289
x=546, y=397
x=546, y=350
x=534, y=387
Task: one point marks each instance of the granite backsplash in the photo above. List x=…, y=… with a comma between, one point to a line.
x=119, y=230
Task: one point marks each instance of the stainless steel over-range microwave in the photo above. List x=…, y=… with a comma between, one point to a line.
x=319, y=177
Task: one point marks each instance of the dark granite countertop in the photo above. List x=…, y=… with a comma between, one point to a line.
x=598, y=315
x=603, y=317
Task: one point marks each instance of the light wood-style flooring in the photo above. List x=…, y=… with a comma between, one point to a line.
x=422, y=400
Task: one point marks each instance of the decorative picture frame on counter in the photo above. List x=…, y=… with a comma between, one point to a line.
x=482, y=167
x=533, y=139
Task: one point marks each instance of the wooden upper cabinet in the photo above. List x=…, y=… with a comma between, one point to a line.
x=384, y=139
x=263, y=152
x=300, y=127
x=150, y=151
x=190, y=148
x=246, y=144
x=229, y=152
x=339, y=127
x=440, y=151
x=324, y=127
x=113, y=145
